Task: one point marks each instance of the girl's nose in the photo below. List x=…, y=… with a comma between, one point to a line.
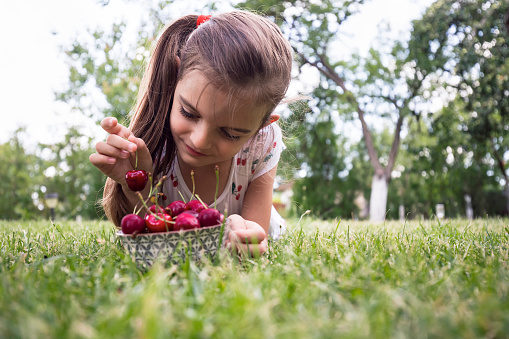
x=201, y=137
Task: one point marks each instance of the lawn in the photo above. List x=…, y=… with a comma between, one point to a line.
x=415, y=279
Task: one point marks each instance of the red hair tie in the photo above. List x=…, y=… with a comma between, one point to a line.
x=201, y=19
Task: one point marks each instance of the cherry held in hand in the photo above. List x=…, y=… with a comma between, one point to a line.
x=136, y=179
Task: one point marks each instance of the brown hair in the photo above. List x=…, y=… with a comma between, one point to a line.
x=241, y=53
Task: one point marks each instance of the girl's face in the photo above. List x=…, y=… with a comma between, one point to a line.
x=206, y=130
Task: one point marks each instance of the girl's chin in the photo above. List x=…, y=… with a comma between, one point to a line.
x=199, y=162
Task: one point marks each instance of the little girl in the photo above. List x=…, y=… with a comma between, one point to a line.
x=207, y=99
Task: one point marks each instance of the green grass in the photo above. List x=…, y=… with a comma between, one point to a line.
x=428, y=279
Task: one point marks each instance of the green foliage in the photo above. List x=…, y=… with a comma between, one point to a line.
x=317, y=191
x=77, y=182
x=321, y=280
x=377, y=90
x=102, y=66
x=442, y=165
x=21, y=175
x=465, y=43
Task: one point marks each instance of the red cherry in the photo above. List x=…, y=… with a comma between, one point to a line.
x=159, y=210
x=195, y=205
x=175, y=208
x=157, y=225
x=136, y=179
x=132, y=223
x=186, y=221
x=210, y=217
x=191, y=212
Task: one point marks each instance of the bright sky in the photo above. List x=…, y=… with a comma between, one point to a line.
x=33, y=68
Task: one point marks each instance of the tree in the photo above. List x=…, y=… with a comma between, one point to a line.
x=464, y=43
x=21, y=180
x=317, y=189
x=380, y=89
x=443, y=164
x=69, y=173
x=105, y=66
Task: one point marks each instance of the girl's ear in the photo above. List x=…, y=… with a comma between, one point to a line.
x=178, y=61
x=272, y=118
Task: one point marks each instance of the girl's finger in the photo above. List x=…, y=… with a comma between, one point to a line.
x=121, y=143
x=111, y=151
x=253, y=235
x=112, y=126
x=140, y=146
x=242, y=229
x=251, y=250
x=101, y=160
x=143, y=153
x=236, y=222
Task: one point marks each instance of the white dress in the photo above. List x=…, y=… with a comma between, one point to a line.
x=258, y=156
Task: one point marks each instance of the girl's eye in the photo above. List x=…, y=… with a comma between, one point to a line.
x=230, y=137
x=187, y=115
x=191, y=116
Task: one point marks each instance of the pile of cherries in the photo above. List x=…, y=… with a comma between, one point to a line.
x=178, y=215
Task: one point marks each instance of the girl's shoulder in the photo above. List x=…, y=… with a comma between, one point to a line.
x=265, y=137
x=262, y=152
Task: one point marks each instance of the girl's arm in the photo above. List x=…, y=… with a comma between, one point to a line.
x=114, y=158
x=249, y=230
x=258, y=200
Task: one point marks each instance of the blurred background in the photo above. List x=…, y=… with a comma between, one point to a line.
x=408, y=116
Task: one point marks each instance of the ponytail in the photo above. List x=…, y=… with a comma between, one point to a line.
x=151, y=118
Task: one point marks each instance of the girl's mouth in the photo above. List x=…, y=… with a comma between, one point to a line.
x=193, y=152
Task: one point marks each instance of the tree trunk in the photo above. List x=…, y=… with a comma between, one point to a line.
x=501, y=165
x=380, y=183
x=378, y=199
x=469, y=209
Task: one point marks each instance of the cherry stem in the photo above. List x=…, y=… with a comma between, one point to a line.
x=181, y=196
x=158, y=185
x=136, y=211
x=201, y=201
x=194, y=186
x=151, y=179
x=136, y=161
x=216, y=169
x=149, y=211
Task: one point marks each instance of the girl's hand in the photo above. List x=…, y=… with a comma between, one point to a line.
x=246, y=237
x=117, y=154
